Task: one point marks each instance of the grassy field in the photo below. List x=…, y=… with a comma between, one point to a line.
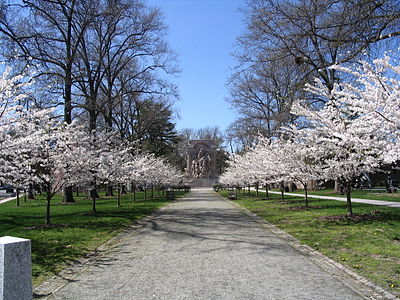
x=372, y=195
x=76, y=231
x=369, y=243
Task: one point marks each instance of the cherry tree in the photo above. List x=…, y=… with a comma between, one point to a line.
x=36, y=153
x=12, y=92
x=375, y=95
x=346, y=141
x=238, y=171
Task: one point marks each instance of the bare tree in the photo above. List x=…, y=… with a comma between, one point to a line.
x=316, y=34
x=289, y=43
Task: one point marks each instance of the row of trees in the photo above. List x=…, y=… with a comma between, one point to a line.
x=104, y=63
x=37, y=148
x=357, y=131
x=289, y=43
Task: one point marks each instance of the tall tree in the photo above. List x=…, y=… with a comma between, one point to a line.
x=289, y=43
x=48, y=33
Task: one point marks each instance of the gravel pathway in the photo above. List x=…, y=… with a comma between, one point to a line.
x=203, y=247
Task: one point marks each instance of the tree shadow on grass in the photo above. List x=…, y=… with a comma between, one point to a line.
x=49, y=255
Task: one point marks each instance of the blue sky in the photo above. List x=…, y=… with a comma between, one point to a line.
x=203, y=32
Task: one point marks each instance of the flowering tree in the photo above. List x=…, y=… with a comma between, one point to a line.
x=12, y=92
x=355, y=131
x=37, y=146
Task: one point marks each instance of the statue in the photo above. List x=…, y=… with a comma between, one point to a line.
x=201, y=164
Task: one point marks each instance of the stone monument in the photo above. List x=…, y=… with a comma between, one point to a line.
x=15, y=269
x=201, y=163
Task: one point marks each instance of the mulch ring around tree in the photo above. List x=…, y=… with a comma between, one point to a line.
x=303, y=207
x=285, y=202
x=43, y=226
x=354, y=217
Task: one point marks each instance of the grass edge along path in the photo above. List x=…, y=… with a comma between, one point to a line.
x=77, y=234
x=356, y=244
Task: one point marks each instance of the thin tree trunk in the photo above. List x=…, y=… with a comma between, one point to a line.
x=48, y=203
x=283, y=191
x=119, y=196
x=306, y=193
x=145, y=193
x=257, y=189
x=248, y=188
x=17, y=191
x=93, y=203
x=25, y=197
x=152, y=191
x=266, y=191
x=348, y=197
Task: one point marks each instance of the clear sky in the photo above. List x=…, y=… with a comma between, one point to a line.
x=203, y=32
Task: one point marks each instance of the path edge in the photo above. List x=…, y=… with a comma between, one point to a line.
x=349, y=278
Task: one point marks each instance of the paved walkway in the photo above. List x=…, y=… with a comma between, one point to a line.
x=4, y=200
x=203, y=247
x=356, y=200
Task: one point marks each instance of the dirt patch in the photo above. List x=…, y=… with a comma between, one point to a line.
x=355, y=217
x=43, y=226
x=299, y=208
x=286, y=202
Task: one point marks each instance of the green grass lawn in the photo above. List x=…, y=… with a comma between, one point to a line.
x=368, y=244
x=76, y=231
x=372, y=195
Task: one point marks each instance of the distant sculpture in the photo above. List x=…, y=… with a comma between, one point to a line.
x=201, y=164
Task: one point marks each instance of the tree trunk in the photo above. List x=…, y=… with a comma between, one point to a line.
x=109, y=190
x=17, y=191
x=133, y=193
x=348, y=197
x=306, y=193
x=152, y=191
x=257, y=189
x=30, y=192
x=283, y=191
x=145, y=193
x=119, y=197
x=68, y=196
x=68, y=89
x=95, y=193
x=92, y=120
x=93, y=203
x=25, y=197
x=92, y=193
x=48, y=202
x=248, y=188
x=123, y=190
x=266, y=191
x=337, y=187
